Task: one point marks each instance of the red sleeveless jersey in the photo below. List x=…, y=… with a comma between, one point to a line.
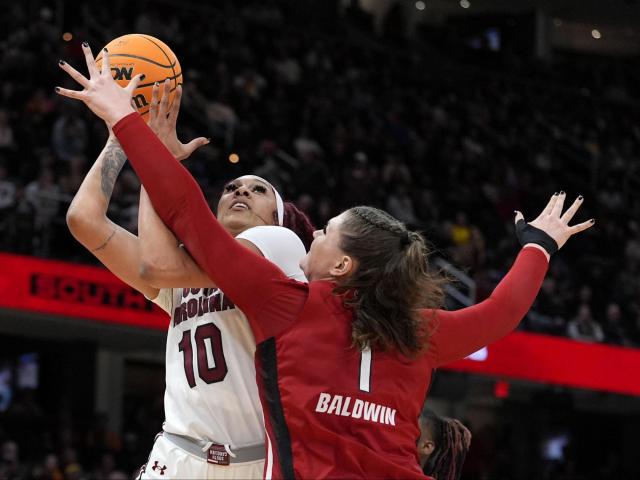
x=330, y=410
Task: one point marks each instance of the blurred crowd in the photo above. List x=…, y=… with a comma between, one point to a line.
x=336, y=116
x=343, y=119
x=38, y=446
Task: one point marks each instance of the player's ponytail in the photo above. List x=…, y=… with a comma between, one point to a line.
x=391, y=283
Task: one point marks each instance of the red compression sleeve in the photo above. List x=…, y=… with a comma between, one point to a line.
x=458, y=334
x=254, y=284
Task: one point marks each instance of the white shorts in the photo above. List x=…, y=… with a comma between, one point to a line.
x=168, y=461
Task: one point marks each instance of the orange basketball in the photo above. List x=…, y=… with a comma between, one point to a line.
x=137, y=53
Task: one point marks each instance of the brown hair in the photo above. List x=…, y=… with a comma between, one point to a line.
x=452, y=440
x=392, y=282
x=296, y=220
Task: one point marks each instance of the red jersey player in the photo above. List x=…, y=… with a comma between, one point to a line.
x=344, y=362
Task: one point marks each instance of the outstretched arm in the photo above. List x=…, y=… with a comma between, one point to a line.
x=164, y=263
x=254, y=284
x=460, y=333
x=115, y=247
x=456, y=334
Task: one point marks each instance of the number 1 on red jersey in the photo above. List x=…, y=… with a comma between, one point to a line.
x=365, y=370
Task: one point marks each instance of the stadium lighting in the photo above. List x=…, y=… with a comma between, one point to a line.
x=465, y=3
x=420, y=5
x=595, y=33
x=234, y=158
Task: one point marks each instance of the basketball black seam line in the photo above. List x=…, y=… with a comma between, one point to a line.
x=128, y=55
x=170, y=78
x=163, y=52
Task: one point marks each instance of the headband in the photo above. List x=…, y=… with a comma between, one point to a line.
x=279, y=202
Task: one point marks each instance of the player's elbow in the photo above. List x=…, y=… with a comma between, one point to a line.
x=77, y=221
x=86, y=224
x=147, y=271
x=152, y=272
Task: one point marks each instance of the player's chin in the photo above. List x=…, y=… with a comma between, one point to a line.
x=240, y=219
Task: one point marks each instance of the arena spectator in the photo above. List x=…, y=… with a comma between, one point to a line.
x=400, y=205
x=614, y=326
x=43, y=198
x=10, y=468
x=583, y=327
x=69, y=136
x=363, y=123
x=548, y=312
x=7, y=192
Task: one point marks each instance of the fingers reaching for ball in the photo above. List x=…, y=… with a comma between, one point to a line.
x=163, y=115
x=175, y=106
x=106, y=63
x=153, y=107
x=73, y=73
x=133, y=84
x=91, y=63
x=100, y=92
x=109, y=88
x=129, y=55
x=164, y=101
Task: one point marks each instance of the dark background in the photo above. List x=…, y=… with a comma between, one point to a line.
x=448, y=117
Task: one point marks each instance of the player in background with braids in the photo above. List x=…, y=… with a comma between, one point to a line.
x=344, y=362
x=443, y=446
x=211, y=398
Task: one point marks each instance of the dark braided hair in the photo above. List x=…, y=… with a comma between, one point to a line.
x=452, y=440
x=296, y=220
x=391, y=283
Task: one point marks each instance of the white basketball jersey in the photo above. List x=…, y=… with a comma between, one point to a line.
x=211, y=391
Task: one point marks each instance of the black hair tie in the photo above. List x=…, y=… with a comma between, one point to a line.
x=529, y=234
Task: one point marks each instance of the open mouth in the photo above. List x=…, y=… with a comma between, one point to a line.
x=239, y=206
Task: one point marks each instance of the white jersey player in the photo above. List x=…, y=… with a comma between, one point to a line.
x=214, y=425
x=211, y=393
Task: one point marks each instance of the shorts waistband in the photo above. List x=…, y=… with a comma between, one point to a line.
x=199, y=448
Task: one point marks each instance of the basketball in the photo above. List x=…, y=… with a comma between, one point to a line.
x=136, y=53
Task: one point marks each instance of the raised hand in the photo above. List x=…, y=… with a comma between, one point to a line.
x=100, y=92
x=556, y=224
x=162, y=120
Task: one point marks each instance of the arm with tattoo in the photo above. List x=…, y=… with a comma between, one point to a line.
x=111, y=162
x=115, y=247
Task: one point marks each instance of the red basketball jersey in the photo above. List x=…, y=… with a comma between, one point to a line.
x=324, y=417
x=332, y=411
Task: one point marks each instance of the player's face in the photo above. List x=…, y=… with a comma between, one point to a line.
x=326, y=260
x=246, y=202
